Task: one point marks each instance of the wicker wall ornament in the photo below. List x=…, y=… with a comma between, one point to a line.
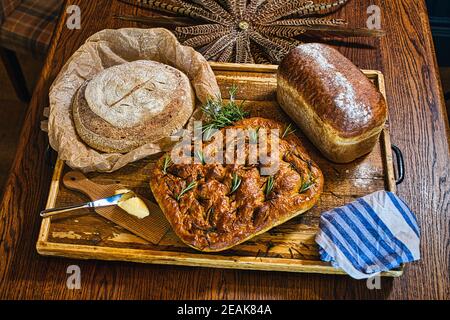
x=247, y=31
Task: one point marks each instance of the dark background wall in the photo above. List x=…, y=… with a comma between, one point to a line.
x=439, y=12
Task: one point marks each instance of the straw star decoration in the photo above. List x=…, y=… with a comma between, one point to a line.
x=248, y=31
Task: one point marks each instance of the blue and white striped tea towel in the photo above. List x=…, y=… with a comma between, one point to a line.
x=372, y=234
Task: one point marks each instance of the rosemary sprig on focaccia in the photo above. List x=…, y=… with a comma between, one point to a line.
x=220, y=115
x=269, y=186
x=288, y=131
x=253, y=135
x=200, y=156
x=189, y=187
x=308, y=184
x=235, y=183
x=230, y=203
x=166, y=164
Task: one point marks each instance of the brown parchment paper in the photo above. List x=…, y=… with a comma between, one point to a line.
x=106, y=49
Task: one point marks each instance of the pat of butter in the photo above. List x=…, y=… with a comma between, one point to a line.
x=132, y=204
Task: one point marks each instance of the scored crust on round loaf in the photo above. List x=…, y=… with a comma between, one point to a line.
x=212, y=216
x=129, y=105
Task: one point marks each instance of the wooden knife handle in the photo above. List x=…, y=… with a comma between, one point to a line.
x=77, y=181
x=152, y=228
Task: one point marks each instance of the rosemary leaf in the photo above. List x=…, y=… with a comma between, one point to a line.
x=288, y=131
x=200, y=156
x=253, y=135
x=222, y=114
x=190, y=186
x=167, y=163
x=235, y=183
x=306, y=185
x=233, y=91
x=269, y=186
x=208, y=132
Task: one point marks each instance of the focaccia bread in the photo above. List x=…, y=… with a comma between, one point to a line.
x=332, y=101
x=129, y=105
x=211, y=216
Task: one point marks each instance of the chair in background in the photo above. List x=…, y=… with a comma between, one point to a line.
x=26, y=26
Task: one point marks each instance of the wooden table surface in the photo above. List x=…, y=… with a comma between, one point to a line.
x=418, y=126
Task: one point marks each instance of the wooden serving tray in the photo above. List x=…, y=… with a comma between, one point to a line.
x=289, y=247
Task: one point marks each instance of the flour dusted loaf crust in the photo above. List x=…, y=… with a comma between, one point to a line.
x=332, y=101
x=129, y=105
x=210, y=217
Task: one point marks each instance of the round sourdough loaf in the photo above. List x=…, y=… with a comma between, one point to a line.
x=131, y=104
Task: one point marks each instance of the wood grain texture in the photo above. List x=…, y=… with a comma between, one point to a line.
x=418, y=126
x=151, y=228
x=289, y=247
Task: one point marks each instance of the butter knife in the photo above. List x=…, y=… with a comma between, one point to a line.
x=105, y=202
